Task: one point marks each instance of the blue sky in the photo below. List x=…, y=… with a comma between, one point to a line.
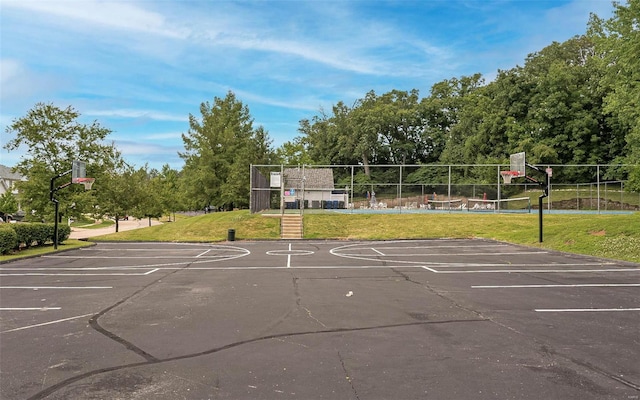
x=141, y=67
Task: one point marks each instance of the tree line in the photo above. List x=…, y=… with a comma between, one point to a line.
x=576, y=102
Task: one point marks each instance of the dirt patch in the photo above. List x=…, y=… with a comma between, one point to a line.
x=598, y=233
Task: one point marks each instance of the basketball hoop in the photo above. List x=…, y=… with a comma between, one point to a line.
x=87, y=182
x=508, y=175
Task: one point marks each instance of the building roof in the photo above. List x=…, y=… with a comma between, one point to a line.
x=8, y=174
x=314, y=178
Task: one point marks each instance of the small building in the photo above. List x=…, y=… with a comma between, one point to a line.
x=8, y=180
x=313, y=186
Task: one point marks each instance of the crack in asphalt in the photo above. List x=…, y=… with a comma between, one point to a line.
x=584, y=364
x=93, y=321
x=348, y=376
x=52, y=389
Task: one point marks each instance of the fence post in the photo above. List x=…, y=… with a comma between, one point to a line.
x=449, y=189
x=400, y=189
x=598, y=186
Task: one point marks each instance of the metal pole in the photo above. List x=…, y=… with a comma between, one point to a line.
x=52, y=192
x=540, y=211
x=499, y=193
x=550, y=190
x=302, y=198
x=449, y=189
x=544, y=194
x=352, y=205
x=282, y=189
x=251, y=188
x=598, y=183
x=400, y=189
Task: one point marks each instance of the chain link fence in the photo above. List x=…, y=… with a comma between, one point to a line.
x=427, y=188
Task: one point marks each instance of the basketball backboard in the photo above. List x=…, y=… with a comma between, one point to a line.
x=78, y=171
x=518, y=164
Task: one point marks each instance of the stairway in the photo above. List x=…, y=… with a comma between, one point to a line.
x=291, y=226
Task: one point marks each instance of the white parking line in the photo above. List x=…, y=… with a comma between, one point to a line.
x=46, y=323
x=56, y=287
x=580, y=285
x=517, y=253
x=533, y=270
x=203, y=253
x=30, y=308
x=70, y=274
x=558, y=310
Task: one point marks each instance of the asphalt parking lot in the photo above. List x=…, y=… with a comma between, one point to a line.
x=419, y=319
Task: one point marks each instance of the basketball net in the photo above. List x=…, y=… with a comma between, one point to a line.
x=87, y=182
x=508, y=175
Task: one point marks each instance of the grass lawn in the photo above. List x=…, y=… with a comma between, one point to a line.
x=609, y=236
x=104, y=224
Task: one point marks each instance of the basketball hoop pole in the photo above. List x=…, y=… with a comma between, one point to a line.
x=545, y=193
x=52, y=192
x=78, y=171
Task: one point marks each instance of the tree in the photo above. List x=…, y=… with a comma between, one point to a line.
x=117, y=194
x=219, y=148
x=53, y=138
x=617, y=41
x=8, y=203
x=293, y=152
x=148, y=196
x=168, y=184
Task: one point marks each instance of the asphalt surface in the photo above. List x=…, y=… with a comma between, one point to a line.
x=421, y=319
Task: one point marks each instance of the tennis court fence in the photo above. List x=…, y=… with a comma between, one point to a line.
x=427, y=188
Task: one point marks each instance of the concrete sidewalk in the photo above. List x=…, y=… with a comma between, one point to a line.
x=80, y=233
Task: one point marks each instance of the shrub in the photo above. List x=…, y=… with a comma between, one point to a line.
x=43, y=233
x=64, y=232
x=39, y=234
x=26, y=233
x=8, y=238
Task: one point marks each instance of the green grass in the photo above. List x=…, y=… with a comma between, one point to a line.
x=104, y=224
x=570, y=194
x=609, y=236
x=204, y=228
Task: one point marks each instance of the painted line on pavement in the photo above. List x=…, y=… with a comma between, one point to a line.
x=56, y=287
x=560, y=310
x=541, y=271
x=47, y=323
x=580, y=285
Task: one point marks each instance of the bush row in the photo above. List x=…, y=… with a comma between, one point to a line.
x=14, y=236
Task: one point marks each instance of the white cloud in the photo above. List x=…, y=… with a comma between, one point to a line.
x=163, y=136
x=296, y=104
x=137, y=114
x=116, y=15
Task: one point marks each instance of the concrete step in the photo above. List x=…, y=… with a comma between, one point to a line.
x=291, y=227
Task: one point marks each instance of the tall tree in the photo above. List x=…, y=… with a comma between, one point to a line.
x=169, y=186
x=219, y=148
x=53, y=138
x=618, y=43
